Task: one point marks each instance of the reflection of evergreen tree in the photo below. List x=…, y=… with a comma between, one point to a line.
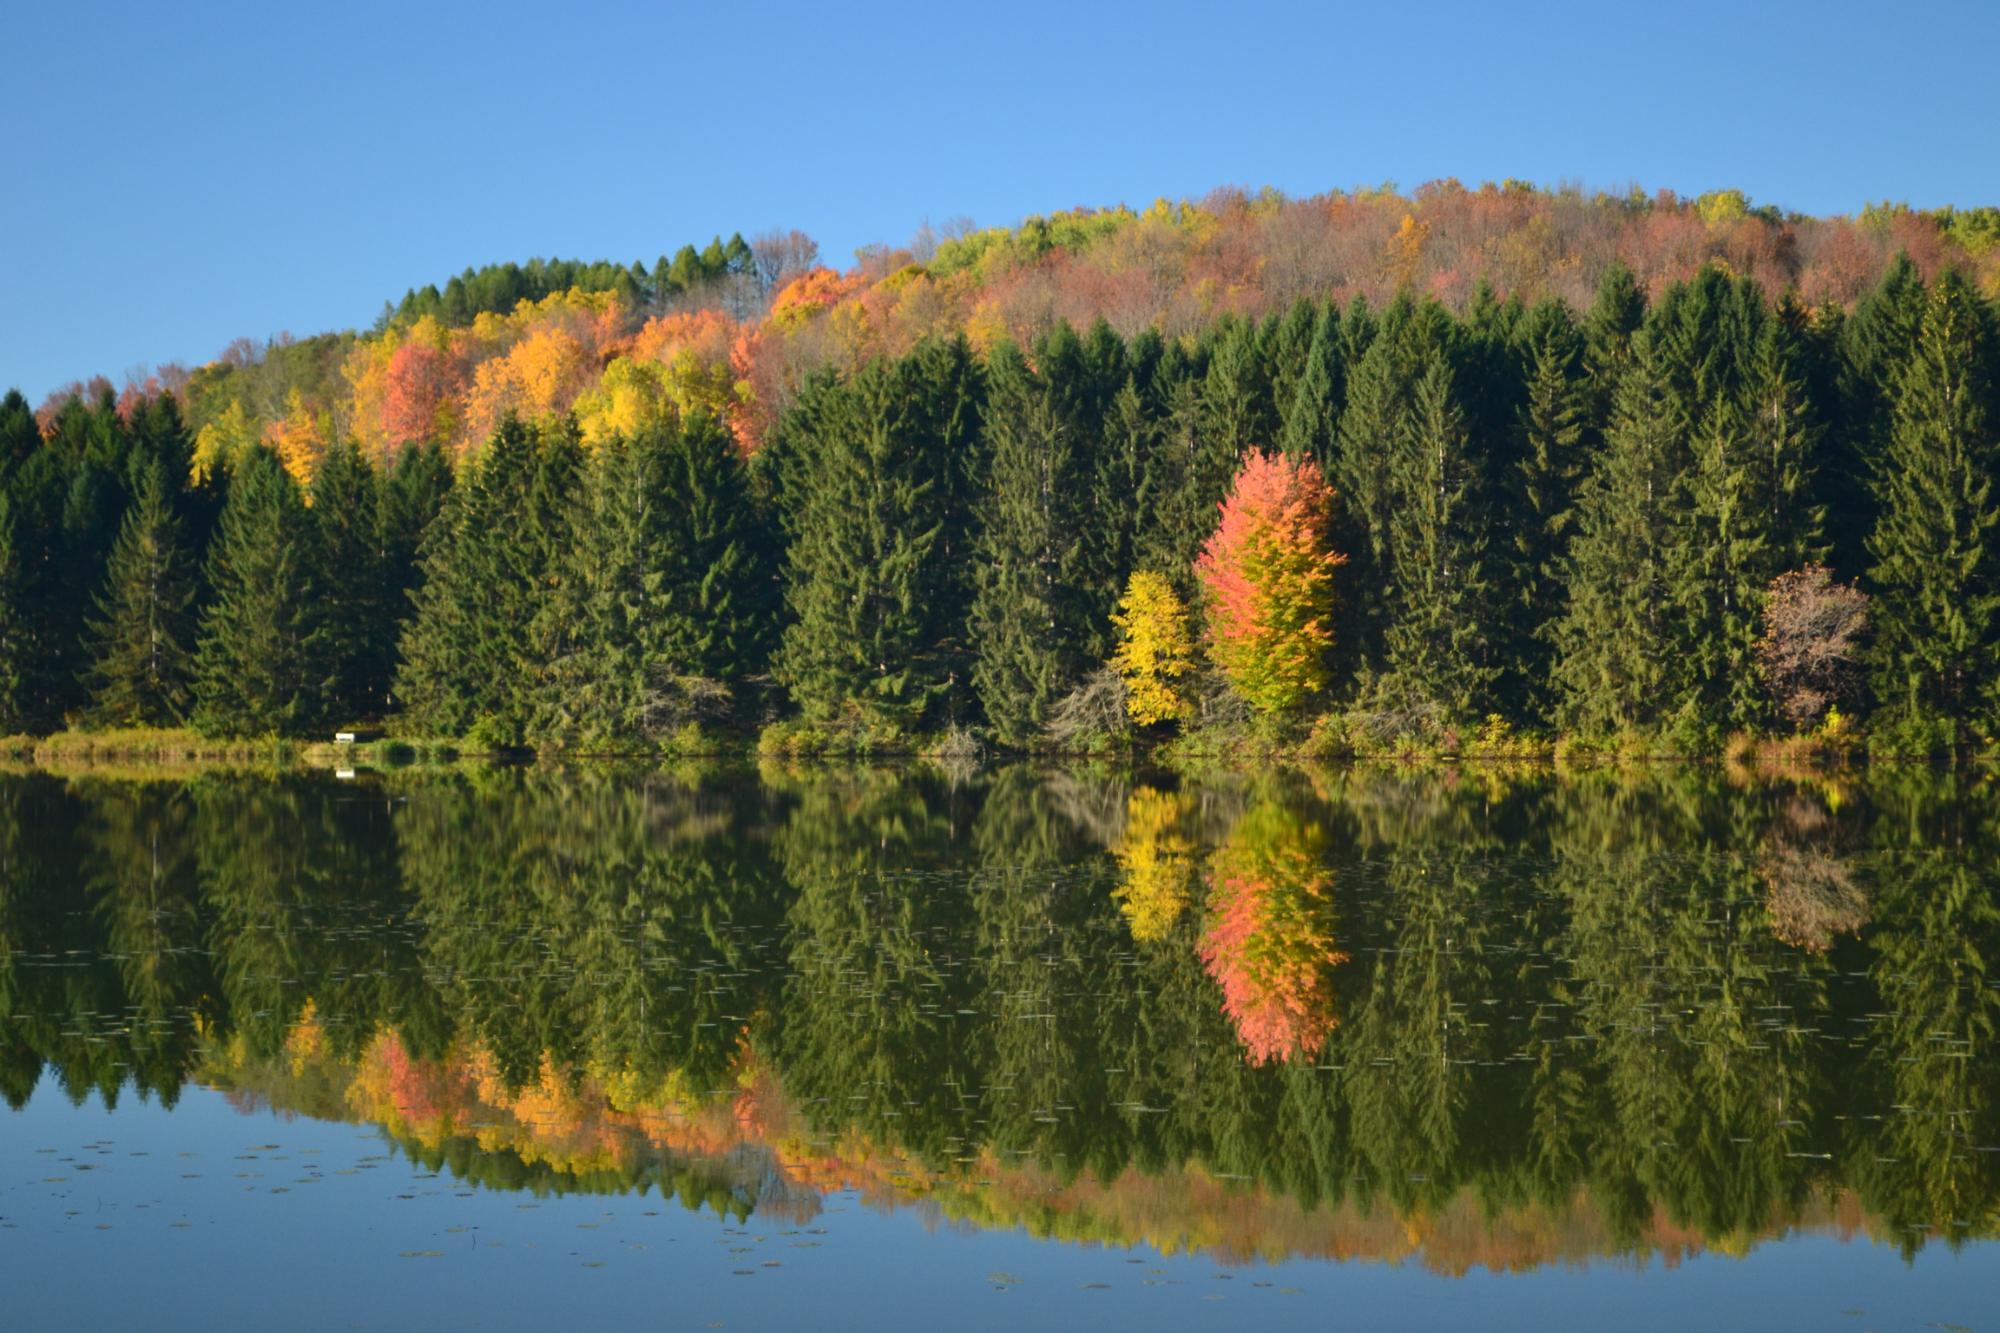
x=873, y=1037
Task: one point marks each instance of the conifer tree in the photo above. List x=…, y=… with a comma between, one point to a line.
x=1440, y=636
x=716, y=563
x=487, y=564
x=1938, y=602
x=1190, y=473
x=862, y=577
x=260, y=666
x=142, y=660
x=1719, y=572
x=359, y=649
x=17, y=641
x=601, y=631
x=1312, y=412
x=1875, y=345
x=1549, y=465
x=1616, y=659
x=1031, y=623
x=410, y=494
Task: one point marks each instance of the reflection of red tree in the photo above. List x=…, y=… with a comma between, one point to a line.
x=1269, y=942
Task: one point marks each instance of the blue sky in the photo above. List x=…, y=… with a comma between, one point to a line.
x=178, y=176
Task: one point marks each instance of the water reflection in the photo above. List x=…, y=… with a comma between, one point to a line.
x=1500, y=1020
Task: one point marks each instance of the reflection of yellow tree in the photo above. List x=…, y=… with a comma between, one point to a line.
x=1269, y=942
x=1155, y=862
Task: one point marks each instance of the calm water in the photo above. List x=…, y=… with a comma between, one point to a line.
x=865, y=1049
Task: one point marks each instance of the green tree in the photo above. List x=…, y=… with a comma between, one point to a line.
x=1550, y=462
x=1933, y=546
x=142, y=661
x=358, y=643
x=1031, y=626
x=1616, y=653
x=1441, y=637
x=864, y=576
x=261, y=664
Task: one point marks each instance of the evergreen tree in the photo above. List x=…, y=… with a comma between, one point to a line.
x=1312, y=412
x=601, y=632
x=1189, y=472
x=1938, y=601
x=1032, y=619
x=261, y=663
x=488, y=561
x=862, y=570
x=141, y=646
x=410, y=494
x=1876, y=343
x=358, y=629
x=1616, y=659
x=1719, y=574
x=17, y=639
x=716, y=562
x=1440, y=637
x=1549, y=465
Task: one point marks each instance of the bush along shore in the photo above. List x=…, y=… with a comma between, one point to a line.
x=1697, y=520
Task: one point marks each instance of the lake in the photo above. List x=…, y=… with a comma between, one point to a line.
x=867, y=1048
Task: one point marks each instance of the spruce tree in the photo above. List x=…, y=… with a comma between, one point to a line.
x=1032, y=622
x=1875, y=345
x=359, y=645
x=1440, y=639
x=261, y=663
x=1549, y=465
x=716, y=562
x=410, y=494
x=17, y=638
x=142, y=661
x=1616, y=653
x=1719, y=573
x=600, y=631
x=1937, y=606
x=862, y=569
x=466, y=657
x=1312, y=412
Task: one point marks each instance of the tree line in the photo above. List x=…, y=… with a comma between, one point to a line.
x=1682, y=517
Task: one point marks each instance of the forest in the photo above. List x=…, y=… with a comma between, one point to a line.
x=1363, y=472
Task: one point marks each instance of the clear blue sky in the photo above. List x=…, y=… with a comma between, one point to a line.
x=176, y=176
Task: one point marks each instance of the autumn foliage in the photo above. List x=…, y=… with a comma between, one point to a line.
x=1268, y=575
x=1155, y=651
x=1269, y=942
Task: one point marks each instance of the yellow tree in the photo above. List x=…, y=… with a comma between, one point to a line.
x=1155, y=648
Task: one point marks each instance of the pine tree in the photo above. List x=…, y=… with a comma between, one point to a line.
x=487, y=564
x=1031, y=625
x=1719, y=573
x=142, y=661
x=716, y=562
x=600, y=632
x=17, y=640
x=1549, y=466
x=1785, y=448
x=359, y=650
x=1440, y=637
x=1938, y=602
x=1312, y=412
x=862, y=577
x=260, y=666
x=1875, y=345
x=1616, y=660
x=1190, y=472
x=410, y=494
